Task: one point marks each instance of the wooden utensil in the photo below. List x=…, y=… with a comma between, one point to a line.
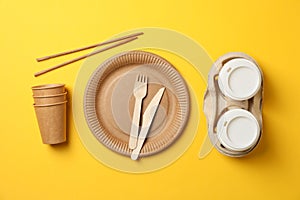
x=89, y=47
x=139, y=91
x=124, y=40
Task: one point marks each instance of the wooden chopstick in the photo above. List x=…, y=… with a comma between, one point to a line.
x=85, y=56
x=89, y=47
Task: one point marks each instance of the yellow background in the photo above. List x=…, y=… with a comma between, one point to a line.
x=266, y=30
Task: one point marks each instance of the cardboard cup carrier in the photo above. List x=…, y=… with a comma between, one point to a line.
x=50, y=104
x=233, y=104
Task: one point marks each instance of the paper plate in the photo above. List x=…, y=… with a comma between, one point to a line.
x=109, y=101
x=189, y=58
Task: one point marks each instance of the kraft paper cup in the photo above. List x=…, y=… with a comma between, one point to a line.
x=52, y=122
x=48, y=89
x=50, y=99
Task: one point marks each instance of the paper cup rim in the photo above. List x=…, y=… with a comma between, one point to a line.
x=48, y=105
x=49, y=96
x=47, y=86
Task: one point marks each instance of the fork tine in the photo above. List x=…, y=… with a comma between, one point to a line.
x=141, y=78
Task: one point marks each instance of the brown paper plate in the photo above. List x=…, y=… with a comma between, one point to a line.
x=109, y=101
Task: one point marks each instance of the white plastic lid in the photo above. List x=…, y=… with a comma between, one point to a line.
x=239, y=79
x=238, y=130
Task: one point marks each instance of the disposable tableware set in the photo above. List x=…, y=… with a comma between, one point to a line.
x=154, y=109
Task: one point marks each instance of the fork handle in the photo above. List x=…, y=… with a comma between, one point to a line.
x=134, y=131
x=140, y=142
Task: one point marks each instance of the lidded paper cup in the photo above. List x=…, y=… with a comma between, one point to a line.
x=239, y=79
x=52, y=122
x=238, y=130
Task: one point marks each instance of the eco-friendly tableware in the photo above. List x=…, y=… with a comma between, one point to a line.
x=233, y=104
x=239, y=79
x=50, y=99
x=238, y=130
x=48, y=89
x=109, y=102
x=123, y=40
x=147, y=121
x=52, y=122
x=89, y=47
x=139, y=91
